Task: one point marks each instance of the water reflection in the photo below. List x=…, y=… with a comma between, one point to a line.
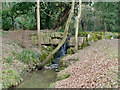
x=39, y=79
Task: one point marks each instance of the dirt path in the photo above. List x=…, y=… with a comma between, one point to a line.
x=97, y=67
x=18, y=36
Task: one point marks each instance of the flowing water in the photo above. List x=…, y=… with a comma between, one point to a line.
x=43, y=78
x=59, y=54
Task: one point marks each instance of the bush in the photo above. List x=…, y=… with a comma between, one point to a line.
x=29, y=56
x=9, y=59
x=70, y=50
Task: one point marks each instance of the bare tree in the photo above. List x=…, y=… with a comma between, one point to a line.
x=38, y=23
x=77, y=26
x=64, y=38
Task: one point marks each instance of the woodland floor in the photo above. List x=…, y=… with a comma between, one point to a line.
x=18, y=36
x=97, y=67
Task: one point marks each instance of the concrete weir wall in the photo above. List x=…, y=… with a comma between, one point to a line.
x=54, y=38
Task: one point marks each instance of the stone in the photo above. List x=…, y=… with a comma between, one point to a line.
x=55, y=41
x=80, y=41
x=54, y=38
x=34, y=40
x=48, y=37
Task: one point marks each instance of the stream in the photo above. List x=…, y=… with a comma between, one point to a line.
x=43, y=78
x=39, y=79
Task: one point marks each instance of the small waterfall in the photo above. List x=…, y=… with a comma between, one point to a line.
x=61, y=52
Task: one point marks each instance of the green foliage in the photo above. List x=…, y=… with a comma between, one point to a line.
x=52, y=85
x=3, y=33
x=46, y=50
x=108, y=37
x=9, y=59
x=6, y=22
x=93, y=17
x=109, y=15
x=10, y=77
x=29, y=56
x=83, y=45
x=62, y=65
x=34, y=40
x=70, y=50
x=83, y=34
x=25, y=12
x=94, y=37
x=61, y=76
x=44, y=56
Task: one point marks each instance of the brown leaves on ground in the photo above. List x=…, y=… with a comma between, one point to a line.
x=97, y=67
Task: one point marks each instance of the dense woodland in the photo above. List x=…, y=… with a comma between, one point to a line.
x=95, y=16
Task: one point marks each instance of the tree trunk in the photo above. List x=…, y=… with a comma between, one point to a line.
x=35, y=16
x=13, y=24
x=38, y=24
x=47, y=17
x=77, y=26
x=63, y=40
x=53, y=17
x=62, y=17
x=82, y=25
x=23, y=26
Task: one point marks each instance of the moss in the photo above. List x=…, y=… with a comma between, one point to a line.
x=108, y=37
x=46, y=50
x=52, y=85
x=118, y=36
x=34, y=40
x=62, y=65
x=83, y=45
x=61, y=76
x=44, y=56
x=94, y=37
x=70, y=50
x=82, y=34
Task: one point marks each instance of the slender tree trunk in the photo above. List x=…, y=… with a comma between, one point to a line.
x=64, y=38
x=13, y=24
x=47, y=17
x=62, y=17
x=53, y=17
x=38, y=24
x=77, y=26
x=35, y=16
x=23, y=26
x=82, y=25
x=47, y=20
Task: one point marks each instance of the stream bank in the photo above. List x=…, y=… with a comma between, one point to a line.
x=18, y=61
